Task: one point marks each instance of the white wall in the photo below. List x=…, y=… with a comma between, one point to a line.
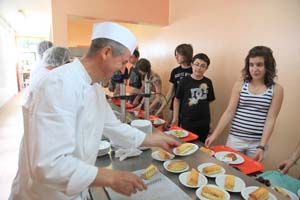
x=8, y=60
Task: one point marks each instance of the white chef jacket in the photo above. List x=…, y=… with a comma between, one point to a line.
x=64, y=118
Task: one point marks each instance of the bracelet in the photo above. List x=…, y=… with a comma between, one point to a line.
x=261, y=147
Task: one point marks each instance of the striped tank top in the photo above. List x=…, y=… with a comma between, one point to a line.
x=251, y=113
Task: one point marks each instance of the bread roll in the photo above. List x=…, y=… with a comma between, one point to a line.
x=192, y=178
x=163, y=154
x=212, y=169
x=229, y=182
x=150, y=171
x=261, y=193
x=212, y=193
x=177, y=165
x=184, y=148
x=281, y=191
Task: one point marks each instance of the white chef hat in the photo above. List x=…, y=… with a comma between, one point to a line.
x=115, y=32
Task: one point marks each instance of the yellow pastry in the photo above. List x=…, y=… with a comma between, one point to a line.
x=229, y=182
x=177, y=165
x=206, y=150
x=212, y=169
x=184, y=148
x=150, y=171
x=192, y=178
x=212, y=193
x=261, y=193
x=163, y=154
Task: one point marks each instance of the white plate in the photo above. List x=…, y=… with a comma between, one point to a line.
x=248, y=190
x=291, y=194
x=155, y=155
x=299, y=192
x=187, y=153
x=103, y=148
x=184, y=133
x=157, y=122
x=238, y=186
x=200, y=169
x=199, y=190
x=166, y=163
x=202, y=180
x=221, y=156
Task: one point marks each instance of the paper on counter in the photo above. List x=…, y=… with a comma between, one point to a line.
x=163, y=189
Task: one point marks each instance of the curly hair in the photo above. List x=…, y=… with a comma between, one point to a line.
x=269, y=62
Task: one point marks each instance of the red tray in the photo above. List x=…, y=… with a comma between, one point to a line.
x=117, y=102
x=189, y=138
x=248, y=167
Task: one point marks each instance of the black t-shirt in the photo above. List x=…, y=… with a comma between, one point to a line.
x=135, y=78
x=176, y=76
x=118, y=77
x=195, y=96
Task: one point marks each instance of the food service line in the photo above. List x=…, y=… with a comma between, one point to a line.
x=197, y=158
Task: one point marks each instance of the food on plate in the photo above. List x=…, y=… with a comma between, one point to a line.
x=212, y=193
x=281, y=191
x=206, y=150
x=212, y=169
x=261, y=193
x=231, y=156
x=192, y=178
x=178, y=133
x=177, y=165
x=185, y=148
x=164, y=155
x=157, y=121
x=150, y=171
x=229, y=182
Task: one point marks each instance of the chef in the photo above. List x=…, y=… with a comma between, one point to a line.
x=64, y=119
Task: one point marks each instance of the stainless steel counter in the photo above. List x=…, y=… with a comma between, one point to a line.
x=145, y=159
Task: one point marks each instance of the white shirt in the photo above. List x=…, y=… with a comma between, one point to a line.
x=64, y=119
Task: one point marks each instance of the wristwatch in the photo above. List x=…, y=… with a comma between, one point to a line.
x=261, y=147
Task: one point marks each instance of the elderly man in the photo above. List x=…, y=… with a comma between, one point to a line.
x=64, y=119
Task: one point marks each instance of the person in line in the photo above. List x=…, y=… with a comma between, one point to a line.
x=64, y=119
x=135, y=78
x=253, y=107
x=42, y=47
x=183, y=54
x=285, y=165
x=120, y=76
x=144, y=68
x=194, y=98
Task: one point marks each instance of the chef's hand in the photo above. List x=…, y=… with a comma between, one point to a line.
x=160, y=140
x=259, y=155
x=123, y=182
x=285, y=166
x=210, y=140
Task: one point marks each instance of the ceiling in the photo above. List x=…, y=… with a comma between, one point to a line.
x=27, y=18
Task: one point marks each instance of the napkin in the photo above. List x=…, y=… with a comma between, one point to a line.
x=122, y=154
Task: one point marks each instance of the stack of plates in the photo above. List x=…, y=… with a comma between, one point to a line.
x=104, y=148
x=143, y=125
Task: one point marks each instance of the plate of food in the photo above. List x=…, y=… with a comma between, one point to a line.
x=176, y=166
x=178, y=133
x=207, y=151
x=185, y=149
x=211, y=169
x=288, y=194
x=162, y=155
x=257, y=193
x=207, y=192
x=192, y=179
x=157, y=121
x=229, y=157
x=230, y=183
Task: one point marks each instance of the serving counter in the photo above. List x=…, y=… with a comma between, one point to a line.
x=145, y=159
